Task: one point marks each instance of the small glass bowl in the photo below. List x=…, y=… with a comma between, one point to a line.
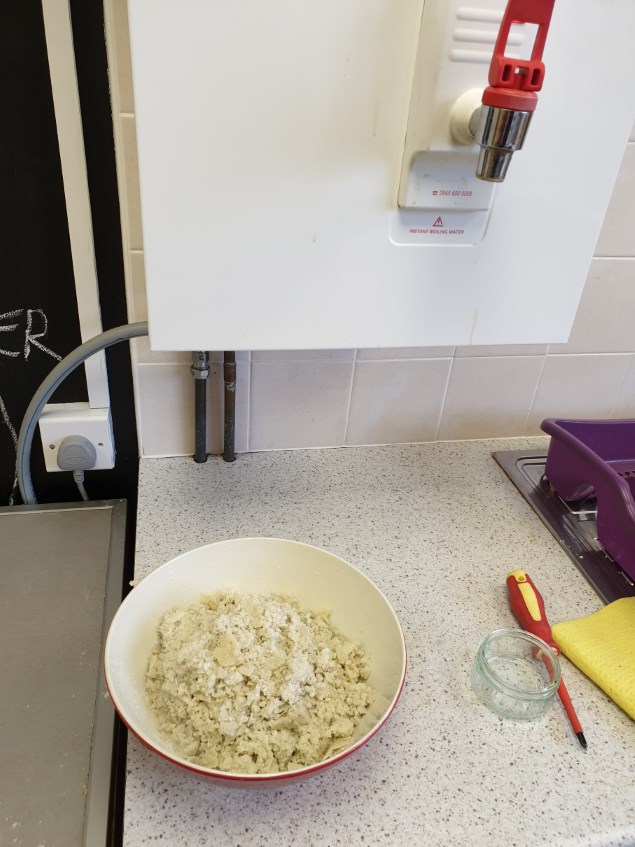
x=516, y=674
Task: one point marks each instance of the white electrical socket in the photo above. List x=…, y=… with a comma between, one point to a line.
x=61, y=419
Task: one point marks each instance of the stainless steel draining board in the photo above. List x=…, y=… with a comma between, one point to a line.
x=61, y=575
x=573, y=525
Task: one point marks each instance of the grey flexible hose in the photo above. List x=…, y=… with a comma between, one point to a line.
x=53, y=380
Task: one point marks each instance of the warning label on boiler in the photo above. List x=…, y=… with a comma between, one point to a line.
x=436, y=229
x=423, y=227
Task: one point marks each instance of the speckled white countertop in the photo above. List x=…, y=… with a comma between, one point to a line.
x=437, y=527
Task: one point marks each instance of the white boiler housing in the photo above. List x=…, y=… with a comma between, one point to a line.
x=271, y=137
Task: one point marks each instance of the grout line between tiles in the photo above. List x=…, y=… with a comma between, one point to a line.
x=350, y=397
x=445, y=394
x=248, y=428
x=593, y=354
x=613, y=258
x=411, y=358
x=621, y=388
x=533, y=398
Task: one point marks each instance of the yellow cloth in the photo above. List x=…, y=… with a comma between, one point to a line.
x=602, y=645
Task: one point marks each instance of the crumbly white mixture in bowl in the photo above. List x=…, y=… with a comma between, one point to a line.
x=251, y=683
x=270, y=567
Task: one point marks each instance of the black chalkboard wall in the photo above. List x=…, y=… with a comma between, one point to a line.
x=38, y=309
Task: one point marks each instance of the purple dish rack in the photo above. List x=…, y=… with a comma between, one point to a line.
x=597, y=458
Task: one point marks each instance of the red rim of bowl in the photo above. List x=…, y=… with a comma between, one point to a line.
x=265, y=777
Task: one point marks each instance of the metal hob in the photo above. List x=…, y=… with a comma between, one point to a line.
x=573, y=525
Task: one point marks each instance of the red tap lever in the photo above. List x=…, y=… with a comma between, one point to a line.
x=509, y=101
x=529, y=610
x=513, y=82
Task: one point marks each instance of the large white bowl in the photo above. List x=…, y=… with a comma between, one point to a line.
x=317, y=579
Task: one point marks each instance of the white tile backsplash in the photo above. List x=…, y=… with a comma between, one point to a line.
x=489, y=397
x=392, y=353
x=299, y=404
x=501, y=350
x=605, y=320
x=166, y=408
x=578, y=387
x=303, y=355
x=146, y=355
x=397, y=402
x=625, y=404
x=316, y=398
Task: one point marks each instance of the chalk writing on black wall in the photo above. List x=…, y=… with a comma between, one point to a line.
x=21, y=330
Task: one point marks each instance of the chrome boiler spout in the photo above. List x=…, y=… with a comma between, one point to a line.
x=499, y=132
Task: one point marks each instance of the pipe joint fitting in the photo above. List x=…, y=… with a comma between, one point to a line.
x=200, y=364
